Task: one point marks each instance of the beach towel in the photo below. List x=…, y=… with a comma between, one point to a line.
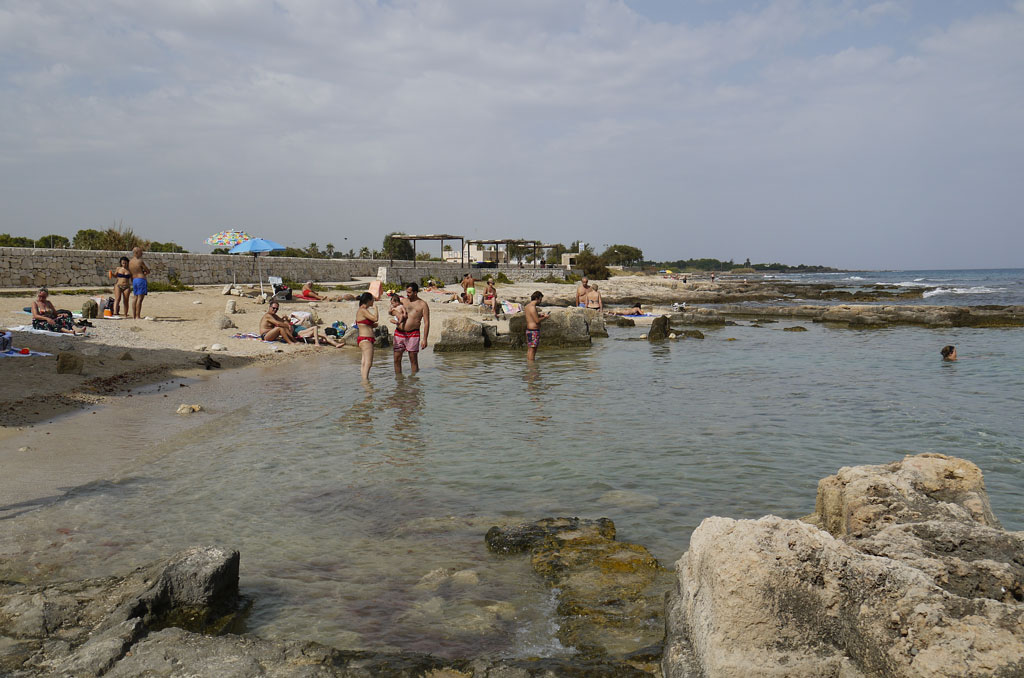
x=510, y=308
x=16, y=353
x=250, y=335
x=31, y=330
x=641, y=315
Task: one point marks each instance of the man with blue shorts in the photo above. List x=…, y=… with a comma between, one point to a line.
x=140, y=285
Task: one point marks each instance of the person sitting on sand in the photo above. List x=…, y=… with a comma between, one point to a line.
x=312, y=335
x=948, y=353
x=593, y=298
x=123, y=286
x=491, y=296
x=635, y=310
x=273, y=327
x=45, y=316
x=307, y=293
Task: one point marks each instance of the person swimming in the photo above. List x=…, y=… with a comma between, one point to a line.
x=948, y=353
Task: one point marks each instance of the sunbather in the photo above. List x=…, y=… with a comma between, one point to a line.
x=45, y=316
x=308, y=294
x=636, y=310
x=273, y=327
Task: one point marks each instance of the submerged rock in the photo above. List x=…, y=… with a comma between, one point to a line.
x=610, y=593
x=911, y=576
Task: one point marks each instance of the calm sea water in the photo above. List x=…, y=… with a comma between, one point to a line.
x=342, y=499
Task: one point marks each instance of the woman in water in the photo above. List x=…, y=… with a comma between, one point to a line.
x=948, y=353
x=122, y=286
x=366, y=320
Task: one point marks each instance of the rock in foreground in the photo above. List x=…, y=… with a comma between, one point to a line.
x=775, y=597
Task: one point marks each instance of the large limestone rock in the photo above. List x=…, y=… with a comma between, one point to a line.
x=222, y=322
x=461, y=333
x=913, y=577
x=565, y=328
x=595, y=322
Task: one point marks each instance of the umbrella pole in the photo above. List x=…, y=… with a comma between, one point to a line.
x=259, y=268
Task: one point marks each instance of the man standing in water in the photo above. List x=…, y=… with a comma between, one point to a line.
x=533, y=321
x=140, y=284
x=582, y=291
x=408, y=338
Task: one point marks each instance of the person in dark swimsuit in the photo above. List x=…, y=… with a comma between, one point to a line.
x=274, y=327
x=45, y=316
x=366, y=320
x=123, y=286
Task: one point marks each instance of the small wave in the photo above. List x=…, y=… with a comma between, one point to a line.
x=855, y=277
x=961, y=290
x=918, y=279
x=910, y=284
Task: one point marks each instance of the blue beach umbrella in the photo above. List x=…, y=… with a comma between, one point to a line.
x=254, y=247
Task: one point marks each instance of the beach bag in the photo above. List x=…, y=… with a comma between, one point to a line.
x=5, y=342
x=90, y=309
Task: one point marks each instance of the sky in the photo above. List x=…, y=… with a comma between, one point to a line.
x=847, y=133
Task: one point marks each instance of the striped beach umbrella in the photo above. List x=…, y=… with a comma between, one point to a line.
x=228, y=238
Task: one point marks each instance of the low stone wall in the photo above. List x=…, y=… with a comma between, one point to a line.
x=28, y=267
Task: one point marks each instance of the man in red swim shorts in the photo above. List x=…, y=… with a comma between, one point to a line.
x=409, y=339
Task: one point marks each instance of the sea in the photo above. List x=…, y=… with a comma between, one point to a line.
x=349, y=502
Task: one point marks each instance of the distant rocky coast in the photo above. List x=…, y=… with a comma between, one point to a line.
x=902, y=570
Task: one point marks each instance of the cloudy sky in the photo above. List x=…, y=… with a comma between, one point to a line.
x=849, y=133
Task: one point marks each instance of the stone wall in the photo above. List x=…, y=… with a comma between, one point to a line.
x=28, y=267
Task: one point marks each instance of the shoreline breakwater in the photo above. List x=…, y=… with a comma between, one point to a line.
x=902, y=570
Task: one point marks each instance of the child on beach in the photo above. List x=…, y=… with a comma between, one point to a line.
x=398, y=311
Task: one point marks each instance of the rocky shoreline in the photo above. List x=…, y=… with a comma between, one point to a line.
x=902, y=570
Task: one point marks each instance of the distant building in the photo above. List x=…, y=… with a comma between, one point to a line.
x=476, y=252
x=569, y=259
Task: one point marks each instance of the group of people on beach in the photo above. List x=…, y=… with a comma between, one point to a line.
x=131, y=277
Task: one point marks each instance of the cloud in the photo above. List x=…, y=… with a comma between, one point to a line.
x=803, y=130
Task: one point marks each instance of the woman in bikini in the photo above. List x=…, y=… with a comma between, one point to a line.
x=491, y=297
x=366, y=320
x=123, y=286
x=45, y=317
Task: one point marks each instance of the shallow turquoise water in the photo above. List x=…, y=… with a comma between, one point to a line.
x=351, y=496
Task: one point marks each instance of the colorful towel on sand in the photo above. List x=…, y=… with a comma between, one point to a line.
x=642, y=315
x=250, y=335
x=31, y=330
x=510, y=308
x=16, y=353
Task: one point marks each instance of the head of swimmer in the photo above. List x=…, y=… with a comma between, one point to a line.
x=948, y=352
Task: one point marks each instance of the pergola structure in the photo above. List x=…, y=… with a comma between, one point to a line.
x=535, y=244
x=432, y=236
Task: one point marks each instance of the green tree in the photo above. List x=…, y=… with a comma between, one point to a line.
x=329, y=250
x=623, y=255
x=555, y=253
x=593, y=266
x=53, y=241
x=515, y=252
x=165, y=247
x=396, y=248
x=313, y=252
x=364, y=252
x=87, y=239
x=220, y=250
x=8, y=240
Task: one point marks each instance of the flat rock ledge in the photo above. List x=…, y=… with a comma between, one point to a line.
x=610, y=594
x=902, y=570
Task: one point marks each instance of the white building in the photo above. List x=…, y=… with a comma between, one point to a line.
x=477, y=252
